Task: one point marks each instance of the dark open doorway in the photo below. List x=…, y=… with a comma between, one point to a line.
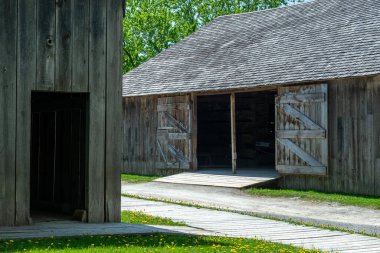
x=255, y=129
x=214, y=131
x=58, y=146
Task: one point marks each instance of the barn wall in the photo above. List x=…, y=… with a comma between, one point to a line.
x=354, y=140
x=8, y=90
x=140, y=154
x=62, y=46
x=140, y=135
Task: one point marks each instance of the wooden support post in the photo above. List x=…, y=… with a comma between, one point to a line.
x=233, y=132
x=194, y=132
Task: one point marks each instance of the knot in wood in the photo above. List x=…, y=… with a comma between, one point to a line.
x=49, y=42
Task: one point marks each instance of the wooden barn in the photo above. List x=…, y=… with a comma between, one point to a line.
x=293, y=89
x=60, y=110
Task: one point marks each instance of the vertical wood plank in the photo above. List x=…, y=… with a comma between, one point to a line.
x=288, y=156
x=194, y=136
x=113, y=110
x=152, y=132
x=26, y=79
x=63, y=48
x=125, y=132
x=80, y=28
x=366, y=135
x=376, y=138
x=161, y=149
x=233, y=132
x=342, y=129
x=97, y=117
x=8, y=82
x=46, y=43
x=189, y=145
x=311, y=146
x=333, y=137
x=349, y=115
x=323, y=112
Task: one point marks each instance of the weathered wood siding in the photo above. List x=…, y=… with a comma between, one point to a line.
x=140, y=135
x=8, y=90
x=26, y=80
x=63, y=46
x=113, y=111
x=301, y=130
x=143, y=130
x=354, y=140
x=174, y=133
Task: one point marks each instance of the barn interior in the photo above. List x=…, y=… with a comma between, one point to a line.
x=58, y=146
x=214, y=131
x=255, y=130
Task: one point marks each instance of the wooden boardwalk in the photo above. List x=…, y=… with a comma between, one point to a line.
x=72, y=228
x=224, y=177
x=237, y=225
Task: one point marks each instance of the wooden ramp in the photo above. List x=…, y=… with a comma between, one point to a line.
x=224, y=177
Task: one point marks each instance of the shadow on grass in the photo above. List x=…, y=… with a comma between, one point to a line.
x=112, y=241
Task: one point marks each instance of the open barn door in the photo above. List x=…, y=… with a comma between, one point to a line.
x=301, y=130
x=174, y=132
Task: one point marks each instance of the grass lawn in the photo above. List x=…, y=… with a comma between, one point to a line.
x=142, y=218
x=136, y=178
x=146, y=243
x=344, y=199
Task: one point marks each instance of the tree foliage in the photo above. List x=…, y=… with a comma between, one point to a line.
x=150, y=26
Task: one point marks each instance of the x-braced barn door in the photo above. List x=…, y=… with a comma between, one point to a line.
x=174, y=132
x=301, y=130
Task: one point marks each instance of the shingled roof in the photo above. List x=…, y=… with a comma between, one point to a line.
x=313, y=41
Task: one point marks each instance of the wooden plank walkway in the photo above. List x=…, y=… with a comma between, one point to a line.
x=237, y=225
x=72, y=228
x=224, y=177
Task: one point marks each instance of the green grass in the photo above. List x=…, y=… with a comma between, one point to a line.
x=146, y=243
x=137, y=178
x=344, y=199
x=138, y=217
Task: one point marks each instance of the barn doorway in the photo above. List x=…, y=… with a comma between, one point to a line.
x=214, y=131
x=58, y=146
x=255, y=131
